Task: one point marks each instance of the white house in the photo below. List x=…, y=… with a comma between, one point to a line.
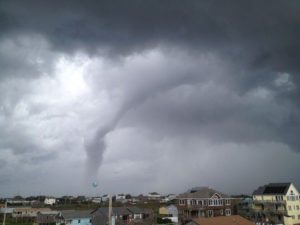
x=96, y=200
x=153, y=196
x=168, y=198
x=49, y=201
x=120, y=196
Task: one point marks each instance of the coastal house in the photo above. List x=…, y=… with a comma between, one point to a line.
x=170, y=212
x=46, y=217
x=27, y=212
x=74, y=217
x=203, y=202
x=153, y=196
x=50, y=201
x=276, y=203
x=122, y=215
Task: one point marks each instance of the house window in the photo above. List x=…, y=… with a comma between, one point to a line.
x=297, y=206
x=227, y=212
x=204, y=202
x=181, y=202
x=298, y=217
x=199, y=202
x=194, y=202
x=227, y=201
x=293, y=217
x=210, y=202
x=221, y=212
x=210, y=213
x=290, y=208
x=279, y=198
x=78, y=221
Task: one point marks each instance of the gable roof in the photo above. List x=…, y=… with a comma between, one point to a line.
x=223, y=220
x=202, y=193
x=76, y=214
x=135, y=210
x=119, y=210
x=272, y=188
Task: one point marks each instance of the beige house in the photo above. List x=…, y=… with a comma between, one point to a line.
x=27, y=212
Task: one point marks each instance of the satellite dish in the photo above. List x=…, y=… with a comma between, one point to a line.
x=95, y=184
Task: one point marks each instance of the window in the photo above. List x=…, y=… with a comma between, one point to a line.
x=210, y=213
x=298, y=217
x=227, y=212
x=210, y=202
x=200, y=202
x=297, y=207
x=181, y=202
x=78, y=221
x=221, y=212
x=188, y=202
x=293, y=217
x=279, y=198
x=290, y=208
x=227, y=201
x=194, y=202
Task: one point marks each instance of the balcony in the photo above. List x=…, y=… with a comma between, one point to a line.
x=196, y=207
x=271, y=211
x=269, y=202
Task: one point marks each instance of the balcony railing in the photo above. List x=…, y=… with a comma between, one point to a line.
x=196, y=206
x=273, y=211
x=269, y=202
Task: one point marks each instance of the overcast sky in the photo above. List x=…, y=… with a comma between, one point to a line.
x=148, y=96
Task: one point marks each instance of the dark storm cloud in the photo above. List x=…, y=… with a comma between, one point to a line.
x=225, y=71
x=262, y=37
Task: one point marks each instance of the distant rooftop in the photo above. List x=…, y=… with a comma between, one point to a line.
x=76, y=214
x=204, y=192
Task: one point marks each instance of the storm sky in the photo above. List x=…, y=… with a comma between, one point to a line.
x=148, y=96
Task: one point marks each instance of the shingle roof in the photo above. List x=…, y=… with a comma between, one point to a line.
x=76, y=214
x=135, y=210
x=223, y=220
x=272, y=188
x=202, y=193
x=120, y=210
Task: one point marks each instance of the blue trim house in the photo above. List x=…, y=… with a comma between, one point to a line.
x=74, y=217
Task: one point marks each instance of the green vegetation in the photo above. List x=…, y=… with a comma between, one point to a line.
x=13, y=221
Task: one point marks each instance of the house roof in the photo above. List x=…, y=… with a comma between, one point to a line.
x=115, y=211
x=223, y=220
x=202, y=193
x=76, y=214
x=135, y=210
x=120, y=210
x=49, y=212
x=31, y=209
x=272, y=188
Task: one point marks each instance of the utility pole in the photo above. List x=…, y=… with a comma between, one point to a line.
x=4, y=217
x=110, y=211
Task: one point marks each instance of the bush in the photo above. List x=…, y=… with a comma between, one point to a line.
x=163, y=220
